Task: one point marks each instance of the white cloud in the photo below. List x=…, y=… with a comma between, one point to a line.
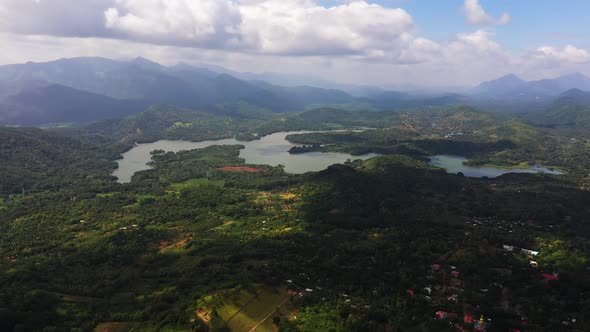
x=476, y=15
x=297, y=27
x=353, y=41
x=569, y=54
x=465, y=60
x=56, y=17
x=204, y=23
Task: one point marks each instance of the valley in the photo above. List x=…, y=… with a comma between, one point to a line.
x=291, y=209
x=216, y=235
x=294, y=166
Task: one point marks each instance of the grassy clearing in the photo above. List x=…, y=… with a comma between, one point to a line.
x=174, y=247
x=104, y=195
x=242, y=309
x=196, y=182
x=113, y=327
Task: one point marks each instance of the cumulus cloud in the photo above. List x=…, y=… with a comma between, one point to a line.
x=295, y=27
x=476, y=15
x=289, y=27
x=569, y=54
x=55, y=17
x=358, y=29
x=350, y=41
x=203, y=23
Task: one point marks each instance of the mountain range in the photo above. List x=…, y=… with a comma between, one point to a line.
x=514, y=85
x=89, y=89
x=81, y=90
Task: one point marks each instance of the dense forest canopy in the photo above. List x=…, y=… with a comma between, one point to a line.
x=204, y=242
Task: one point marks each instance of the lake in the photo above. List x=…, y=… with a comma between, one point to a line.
x=455, y=164
x=269, y=150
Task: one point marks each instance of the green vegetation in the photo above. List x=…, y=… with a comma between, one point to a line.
x=483, y=138
x=32, y=159
x=197, y=244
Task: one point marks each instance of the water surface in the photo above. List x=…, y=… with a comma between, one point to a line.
x=455, y=164
x=269, y=150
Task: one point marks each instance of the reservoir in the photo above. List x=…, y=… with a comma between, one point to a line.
x=269, y=150
x=455, y=164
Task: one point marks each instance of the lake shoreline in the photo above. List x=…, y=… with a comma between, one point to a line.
x=454, y=164
x=270, y=150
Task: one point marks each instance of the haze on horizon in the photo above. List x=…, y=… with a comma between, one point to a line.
x=391, y=43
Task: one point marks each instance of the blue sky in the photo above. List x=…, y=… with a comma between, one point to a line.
x=393, y=43
x=534, y=22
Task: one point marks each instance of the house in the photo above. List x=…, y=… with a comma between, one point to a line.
x=530, y=252
x=481, y=324
x=456, y=282
x=508, y=247
x=548, y=276
x=444, y=315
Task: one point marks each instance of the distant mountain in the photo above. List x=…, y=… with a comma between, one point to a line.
x=90, y=88
x=570, y=109
x=289, y=80
x=513, y=86
x=561, y=84
x=504, y=84
x=282, y=98
x=147, y=82
x=56, y=103
x=574, y=97
x=308, y=96
x=121, y=80
x=511, y=94
x=400, y=100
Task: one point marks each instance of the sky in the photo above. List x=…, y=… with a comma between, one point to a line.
x=390, y=43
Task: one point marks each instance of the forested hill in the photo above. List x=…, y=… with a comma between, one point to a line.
x=32, y=156
x=379, y=245
x=203, y=241
x=51, y=104
x=32, y=159
x=570, y=111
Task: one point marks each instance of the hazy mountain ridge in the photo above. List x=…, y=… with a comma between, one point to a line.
x=55, y=103
x=100, y=88
x=511, y=94
x=115, y=88
x=137, y=79
x=514, y=86
x=570, y=109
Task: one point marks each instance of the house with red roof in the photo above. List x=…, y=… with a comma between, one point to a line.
x=444, y=315
x=548, y=276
